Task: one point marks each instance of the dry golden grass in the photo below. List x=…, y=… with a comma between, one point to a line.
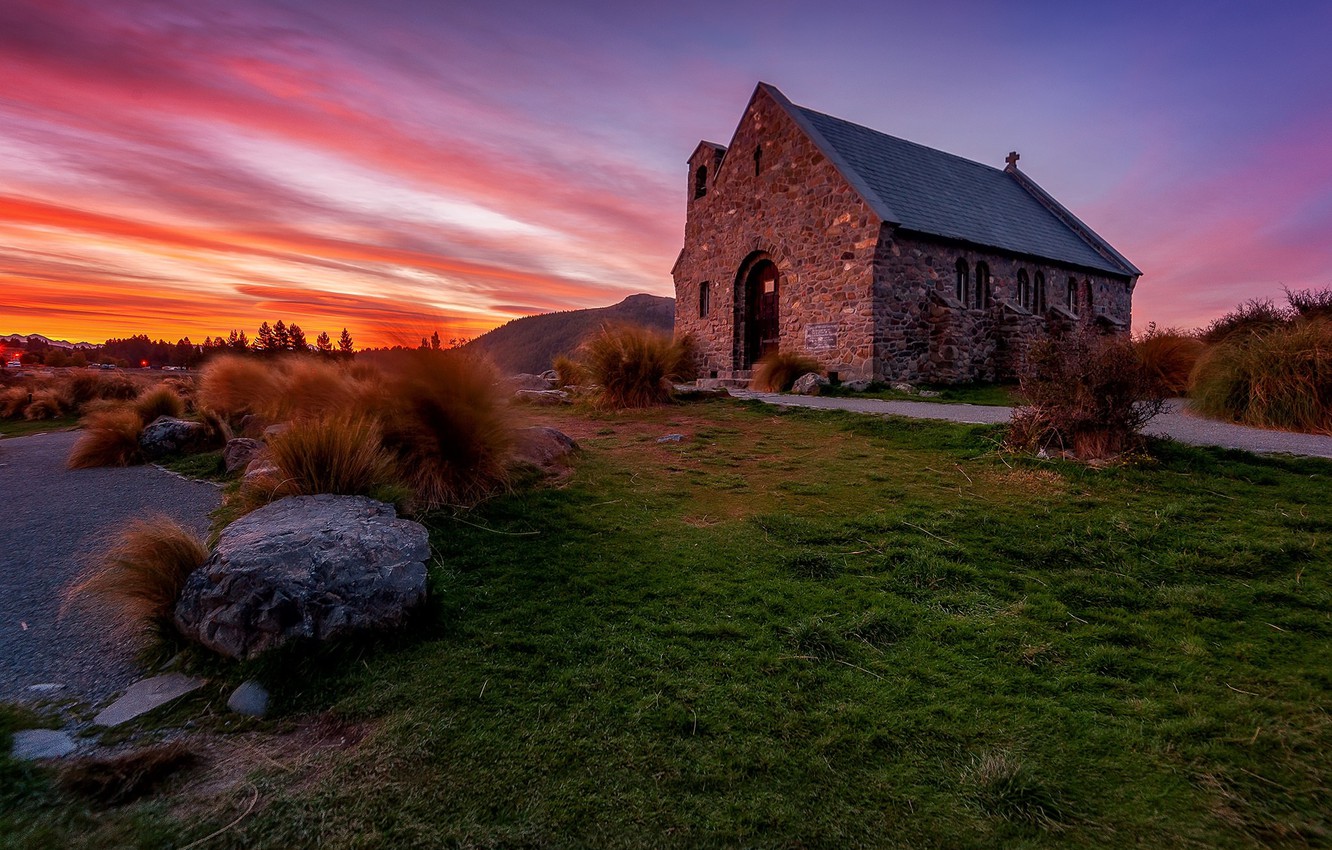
x=13, y=401
x=445, y=423
x=159, y=401
x=123, y=777
x=635, y=366
x=1169, y=357
x=311, y=388
x=341, y=454
x=140, y=577
x=45, y=404
x=568, y=372
x=777, y=372
x=109, y=438
x=236, y=385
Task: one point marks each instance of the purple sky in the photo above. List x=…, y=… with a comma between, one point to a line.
x=397, y=167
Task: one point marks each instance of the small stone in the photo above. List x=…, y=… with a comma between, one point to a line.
x=546, y=448
x=809, y=383
x=276, y=430
x=858, y=386
x=528, y=381
x=928, y=393
x=671, y=438
x=33, y=744
x=45, y=688
x=145, y=695
x=544, y=398
x=239, y=452
x=250, y=698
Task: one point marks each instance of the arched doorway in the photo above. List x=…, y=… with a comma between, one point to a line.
x=759, y=321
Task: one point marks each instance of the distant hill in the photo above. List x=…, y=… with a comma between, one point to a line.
x=530, y=344
x=23, y=339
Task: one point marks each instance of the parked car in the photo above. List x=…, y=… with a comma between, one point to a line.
x=13, y=364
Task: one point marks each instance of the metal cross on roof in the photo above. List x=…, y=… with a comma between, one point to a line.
x=1012, y=159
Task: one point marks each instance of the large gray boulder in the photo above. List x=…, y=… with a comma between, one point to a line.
x=167, y=435
x=313, y=567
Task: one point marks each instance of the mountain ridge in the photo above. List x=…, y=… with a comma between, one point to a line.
x=531, y=343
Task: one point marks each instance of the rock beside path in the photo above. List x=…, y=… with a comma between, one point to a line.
x=810, y=383
x=314, y=567
x=239, y=452
x=167, y=435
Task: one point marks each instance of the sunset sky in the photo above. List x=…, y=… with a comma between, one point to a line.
x=397, y=167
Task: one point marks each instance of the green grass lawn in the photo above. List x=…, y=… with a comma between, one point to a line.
x=23, y=427
x=805, y=629
x=1001, y=395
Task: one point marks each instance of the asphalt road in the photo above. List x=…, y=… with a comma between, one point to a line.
x=52, y=521
x=1178, y=423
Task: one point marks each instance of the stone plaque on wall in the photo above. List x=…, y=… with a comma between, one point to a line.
x=821, y=337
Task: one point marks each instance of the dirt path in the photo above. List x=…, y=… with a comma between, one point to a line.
x=52, y=520
x=1178, y=424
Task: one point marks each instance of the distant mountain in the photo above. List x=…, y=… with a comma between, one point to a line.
x=22, y=339
x=530, y=344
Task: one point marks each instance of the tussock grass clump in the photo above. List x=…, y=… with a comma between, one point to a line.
x=341, y=454
x=1085, y=396
x=159, y=401
x=1001, y=787
x=80, y=388
x=636, y=366
x=777, y=372
x=1255, y=316
x=1169, y=357
x=45, y=404
x=141, y=575
x=311, y=388
x=110, y=438
x=1278, y=379
x=13, y=401
x=235, y=386
x=445, y=424
x=568, y=372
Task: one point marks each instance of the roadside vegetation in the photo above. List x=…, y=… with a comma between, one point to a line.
x=777, y=372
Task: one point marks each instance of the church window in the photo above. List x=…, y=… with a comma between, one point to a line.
x=700, y=181
x=704, y=299
x=1024, y=289
x=1071, y=299
x=963, y=281
x=1091, y=302
x=758, y=160
x=1039, y=293
x=982, y=291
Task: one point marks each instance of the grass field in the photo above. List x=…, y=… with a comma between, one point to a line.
x=23, y=427
x=804, y=629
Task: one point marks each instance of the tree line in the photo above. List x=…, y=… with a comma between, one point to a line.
x=140, y=350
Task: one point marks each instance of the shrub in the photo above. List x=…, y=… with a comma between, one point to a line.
x=140, y=577
x=159, y=401
x=1310, y=304
x=1281, y=379
x=80, y=388
x=635, y=366
x=13, y=400
x=341, y=454
x=446, y=425
x=1086, y=396
x=45, y=404
x=1256, y=316
x=234, y=386
x=569, y=372
x=777, y=372
x=1169, y=357
x=110, y=438
x=310, y=387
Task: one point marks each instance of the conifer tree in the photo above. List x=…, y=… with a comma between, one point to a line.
x=296, y=337
x=265, y=340
x=345, y=342
x=281, y=338
x=322, y=343
x=434, y=340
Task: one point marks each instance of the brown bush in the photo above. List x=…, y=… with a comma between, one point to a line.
x=341, y=454
x=236, y=385
x=159, y=401
x=1256, y=316
x=1169, y=357
x=311, y=388
x=1085, y=396
x=141, y=575
x=636, y=366
x=45, y=404
x=13, y=400
x=109, y=438
x=776, y=373
x=80, y=388
x=446, y=425
x=568, y=372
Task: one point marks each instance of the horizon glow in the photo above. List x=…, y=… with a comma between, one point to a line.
x=179, y=170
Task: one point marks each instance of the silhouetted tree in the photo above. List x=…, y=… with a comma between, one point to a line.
x=322, y=343
x=434, y=340
x=345, y=342
x=281, y=338
x=296, y=337
x=265, y=341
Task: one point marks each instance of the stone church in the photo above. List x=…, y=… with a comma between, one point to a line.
x=881, y=258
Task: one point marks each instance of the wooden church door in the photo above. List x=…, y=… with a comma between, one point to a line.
x=761, y=319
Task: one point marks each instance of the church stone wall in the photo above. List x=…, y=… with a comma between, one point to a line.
x=801, y=212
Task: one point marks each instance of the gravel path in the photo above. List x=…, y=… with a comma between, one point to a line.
x=51, y=521
x=1178, y=423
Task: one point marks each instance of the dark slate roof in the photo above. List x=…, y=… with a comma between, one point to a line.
x=931, y=192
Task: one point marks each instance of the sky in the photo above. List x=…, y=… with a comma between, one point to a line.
x=402, y=166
